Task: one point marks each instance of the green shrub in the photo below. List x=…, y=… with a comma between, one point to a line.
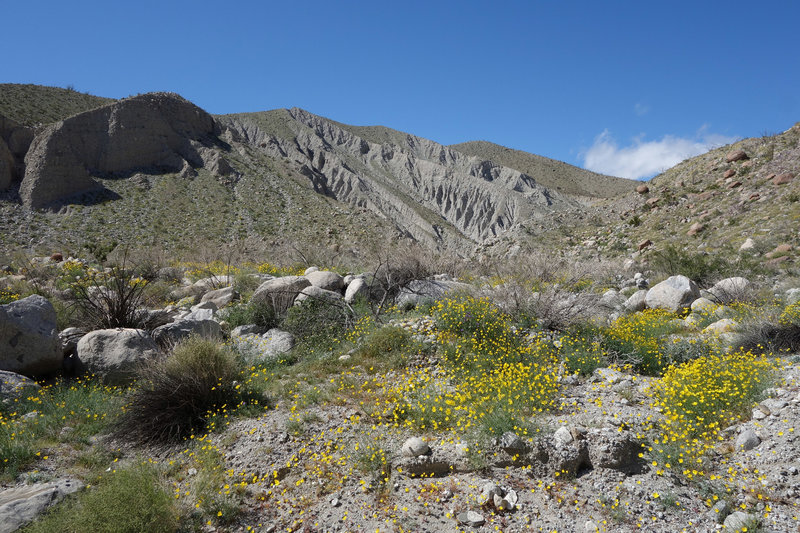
x=385, y=346
x=318, y=322
x=639, y=339
x=702, y=268
x=130, y=500
x=261, y=314
x=176, y=396
x=581, y=355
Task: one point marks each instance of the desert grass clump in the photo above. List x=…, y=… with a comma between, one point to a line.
x=388, y=346
x=176, y=396
x=129, y=500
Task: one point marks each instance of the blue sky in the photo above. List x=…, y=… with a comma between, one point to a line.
x=626, y=88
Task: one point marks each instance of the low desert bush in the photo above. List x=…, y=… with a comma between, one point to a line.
x=700, y=398
x=261, y=314
x=128, y=500
x=386, y=346
x=638, y=340
x=177, y=395
x=319, y=322
x=702, y=268
x=767, y=333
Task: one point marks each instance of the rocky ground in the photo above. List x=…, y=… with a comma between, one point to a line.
x=330, y=453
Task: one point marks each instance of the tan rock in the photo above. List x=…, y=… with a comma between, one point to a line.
x=736, y=155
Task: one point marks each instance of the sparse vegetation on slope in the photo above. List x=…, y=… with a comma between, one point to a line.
x=31, y=105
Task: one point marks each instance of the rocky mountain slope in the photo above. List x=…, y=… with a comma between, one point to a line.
x=156, y=169
x=550, y=173
x=102, y=162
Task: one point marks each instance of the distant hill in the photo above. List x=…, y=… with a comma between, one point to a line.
x=31, y=105
x=556, y=175
x=155, y=169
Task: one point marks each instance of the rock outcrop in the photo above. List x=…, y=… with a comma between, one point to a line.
x=159, y=131
x=14, y=142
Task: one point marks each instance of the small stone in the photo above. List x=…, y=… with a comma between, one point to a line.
x=590, y=527
x=335, y=502
x=747, y=440
x=414, y=447
x=512, y=443
x=471, y=518
x=739, y=520
x=562, y=436
x=719, y=512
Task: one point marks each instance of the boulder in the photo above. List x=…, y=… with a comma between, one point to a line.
x=115, y=354
x=747, y=440
x=748, y=246
x=725, y=325
x=22, y=505
x=356, y=289
x=736, y=155
x=613, y=449
x=783, y=179
x=674, y=294
x=202, y=311
x=171, y=334
x=277, y=342
x=14, y=386
x=280, y=292
x=220, y=297
x=636, y=302
x=642, y=189
x=425, y=290
x=695, y=228
x=414, y=447
x=730, y=290
x=741, y=521
x=158, y=131
x=264, y=348
x=316, y=293
x=29, y=342
x=325, y=279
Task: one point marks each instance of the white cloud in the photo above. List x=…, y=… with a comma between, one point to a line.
x=643, y=159
x=641, y=109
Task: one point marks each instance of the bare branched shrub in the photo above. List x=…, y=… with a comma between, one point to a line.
x=110, y=298
x=392, y=274
x=553, y=293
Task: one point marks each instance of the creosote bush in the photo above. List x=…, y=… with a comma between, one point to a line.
x=175, y=396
